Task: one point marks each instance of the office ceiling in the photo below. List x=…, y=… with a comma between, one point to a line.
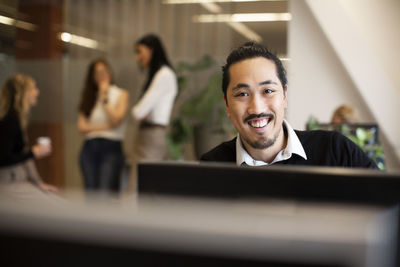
x=8, y=8
x=273, y=34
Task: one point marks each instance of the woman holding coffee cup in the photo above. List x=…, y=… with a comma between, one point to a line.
x=18, y=95
x=102, y=120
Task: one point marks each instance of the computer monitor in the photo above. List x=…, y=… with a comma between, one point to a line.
x=343, y=186
x=281, y=181
x=168, y=230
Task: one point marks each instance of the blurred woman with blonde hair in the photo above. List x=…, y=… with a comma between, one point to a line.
x=18, y=95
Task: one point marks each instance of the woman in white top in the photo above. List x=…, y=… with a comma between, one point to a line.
x=154, y=107
x=102, y=120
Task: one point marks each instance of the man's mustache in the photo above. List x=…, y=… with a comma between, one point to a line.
x=261, y=115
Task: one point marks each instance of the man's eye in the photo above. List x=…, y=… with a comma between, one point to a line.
x=242, y=94
x=268, y=91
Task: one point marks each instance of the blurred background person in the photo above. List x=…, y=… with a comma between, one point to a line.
x=18, y=95
x=345, y=119
x=102, y=111
x=155, y=105
x=344, y=114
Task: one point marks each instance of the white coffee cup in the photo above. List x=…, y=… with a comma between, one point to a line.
x=44, y=140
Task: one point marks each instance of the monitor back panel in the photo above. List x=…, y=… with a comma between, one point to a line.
x=303, y=183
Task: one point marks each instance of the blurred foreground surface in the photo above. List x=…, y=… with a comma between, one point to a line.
x=74, y=230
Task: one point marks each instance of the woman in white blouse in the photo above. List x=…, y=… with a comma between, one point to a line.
x=102, y=121
x=155, y=105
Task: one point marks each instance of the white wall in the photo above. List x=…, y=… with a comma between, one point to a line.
x=319, y=81
x=378, y=22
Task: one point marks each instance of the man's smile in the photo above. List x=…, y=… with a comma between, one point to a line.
x=259, y=121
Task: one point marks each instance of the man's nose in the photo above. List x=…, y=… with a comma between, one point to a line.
x=256, y=105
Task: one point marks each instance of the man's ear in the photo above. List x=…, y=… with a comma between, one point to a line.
x=285, y=92
x=226, y=106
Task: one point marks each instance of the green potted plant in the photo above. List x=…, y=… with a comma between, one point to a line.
x=364, y=137
x=201, y=112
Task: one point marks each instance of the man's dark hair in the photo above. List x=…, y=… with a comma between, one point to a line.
x=247, y=51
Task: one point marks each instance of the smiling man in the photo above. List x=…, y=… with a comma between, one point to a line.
x=255, y=94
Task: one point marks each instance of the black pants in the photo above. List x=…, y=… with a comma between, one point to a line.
x=101, y=162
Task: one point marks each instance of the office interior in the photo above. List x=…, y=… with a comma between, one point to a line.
x=335, y=52
x=323, y=72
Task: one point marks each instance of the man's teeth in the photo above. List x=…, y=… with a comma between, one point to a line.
x=258, y=123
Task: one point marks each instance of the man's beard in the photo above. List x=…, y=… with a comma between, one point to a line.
x=262, y=142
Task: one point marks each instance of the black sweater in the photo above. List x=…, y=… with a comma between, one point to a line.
x=12, y=143
x=323, y=148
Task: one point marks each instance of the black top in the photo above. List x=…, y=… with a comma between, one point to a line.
x=12, y=142
x=323, y=148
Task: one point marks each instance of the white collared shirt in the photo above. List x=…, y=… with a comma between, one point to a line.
x=293, y=146
x=158, y=100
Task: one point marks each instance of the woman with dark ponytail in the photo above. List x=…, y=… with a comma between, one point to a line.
x=158, y=94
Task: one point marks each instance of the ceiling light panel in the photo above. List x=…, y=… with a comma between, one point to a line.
x=242, y=17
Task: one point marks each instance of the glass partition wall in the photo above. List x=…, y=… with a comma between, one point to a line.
x=54, y=41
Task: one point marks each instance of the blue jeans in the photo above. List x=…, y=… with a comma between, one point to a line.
x=101, y=162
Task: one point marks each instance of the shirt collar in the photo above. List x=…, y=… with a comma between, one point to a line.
x=293, y=146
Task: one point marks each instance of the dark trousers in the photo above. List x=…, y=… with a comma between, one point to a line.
x=101, y=162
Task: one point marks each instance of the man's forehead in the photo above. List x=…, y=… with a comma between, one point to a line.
x=259, y=68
